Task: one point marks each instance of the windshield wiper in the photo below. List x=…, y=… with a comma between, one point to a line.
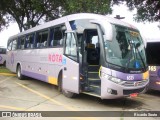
x=140, y=55
x=130, y=57
x=136, y=47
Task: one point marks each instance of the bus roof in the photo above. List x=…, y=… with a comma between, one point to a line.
x=75, y=17
x=152, y=40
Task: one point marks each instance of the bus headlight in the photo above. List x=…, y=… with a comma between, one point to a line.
x=114, y=79
x=111, y=78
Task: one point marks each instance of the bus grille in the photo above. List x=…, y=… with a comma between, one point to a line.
x=134, y=83
x=128, y=92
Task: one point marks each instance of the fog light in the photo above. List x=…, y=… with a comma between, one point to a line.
x=109, y=90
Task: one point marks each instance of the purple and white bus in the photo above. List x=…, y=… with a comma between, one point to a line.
x=153, y=59
x=2, y=56
x=82, y=53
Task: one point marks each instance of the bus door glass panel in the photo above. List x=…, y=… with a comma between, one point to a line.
x=71, y=65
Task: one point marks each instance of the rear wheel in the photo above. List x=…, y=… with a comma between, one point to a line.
x=60, y=82
x=19, y=73
x=4, y=64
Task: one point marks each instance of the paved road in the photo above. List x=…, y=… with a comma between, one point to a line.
x=34, y=95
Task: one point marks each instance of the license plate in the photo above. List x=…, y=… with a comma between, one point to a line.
x=133, y=95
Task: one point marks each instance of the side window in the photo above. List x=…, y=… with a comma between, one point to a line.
x=41, y=40
x=21, y=42
x=14, y=45
x=29, y=41
x=2, y=51
x=9, y=47
x=57, y=36
x=63, y=28
x=70, y=46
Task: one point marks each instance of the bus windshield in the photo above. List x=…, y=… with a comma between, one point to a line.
x=126, y=49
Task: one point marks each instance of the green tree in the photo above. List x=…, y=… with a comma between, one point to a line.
x=147, y=10
x=87, y=6
x=29, y=13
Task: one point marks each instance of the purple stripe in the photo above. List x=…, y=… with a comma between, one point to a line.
x=35, y=75
x=125, y=75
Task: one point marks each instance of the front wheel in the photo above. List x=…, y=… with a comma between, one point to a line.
x=19, y=73
x=68, y=94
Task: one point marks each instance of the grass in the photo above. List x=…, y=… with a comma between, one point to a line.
x=4, y=70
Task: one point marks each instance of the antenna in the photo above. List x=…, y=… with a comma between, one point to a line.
x=119, y=17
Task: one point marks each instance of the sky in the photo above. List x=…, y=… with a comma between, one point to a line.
x=147, y=30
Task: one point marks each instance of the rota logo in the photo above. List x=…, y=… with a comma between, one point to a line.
x=55, y=58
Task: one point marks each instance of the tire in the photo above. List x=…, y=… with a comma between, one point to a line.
x=4, y=64
x=64, y=92
x=69, y=94
x=60, y=82
x=19, y=73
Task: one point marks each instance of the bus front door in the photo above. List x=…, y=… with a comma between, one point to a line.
x=70, y=83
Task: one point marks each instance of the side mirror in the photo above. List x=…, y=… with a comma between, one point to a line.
x=106, y=27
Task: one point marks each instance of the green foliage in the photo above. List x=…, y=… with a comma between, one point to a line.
x=87, y=6
x=4, y=70
x=29, y=13
x=147, y=10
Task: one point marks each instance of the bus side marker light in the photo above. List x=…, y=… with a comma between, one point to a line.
x=158, y=83
x=64, y=76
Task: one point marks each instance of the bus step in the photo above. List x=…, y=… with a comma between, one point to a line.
x=92, y=94
x=97, y=81
x=88, y=89
x=93, y=89
x=93, y=75
x=93, y=68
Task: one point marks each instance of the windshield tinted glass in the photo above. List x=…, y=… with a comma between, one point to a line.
x=126, y=49
x=152, y=51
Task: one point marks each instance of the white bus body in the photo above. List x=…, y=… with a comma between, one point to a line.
x=81, y=53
